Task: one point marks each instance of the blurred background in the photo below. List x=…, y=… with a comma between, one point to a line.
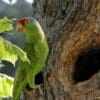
x=14, y=9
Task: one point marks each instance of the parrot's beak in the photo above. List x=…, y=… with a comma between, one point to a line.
x=19, y=28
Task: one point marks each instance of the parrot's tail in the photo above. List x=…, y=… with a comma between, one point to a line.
x=20, y=80
x=18, y=88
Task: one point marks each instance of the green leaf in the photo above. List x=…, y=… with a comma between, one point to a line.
x=11, y=52
x=5, y=25
x=6, y=86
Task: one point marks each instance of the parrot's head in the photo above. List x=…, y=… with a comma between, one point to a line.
x=21, y=23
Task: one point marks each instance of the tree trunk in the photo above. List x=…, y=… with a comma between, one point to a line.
x=73, y=67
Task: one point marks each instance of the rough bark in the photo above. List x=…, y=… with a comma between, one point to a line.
x=73, y=31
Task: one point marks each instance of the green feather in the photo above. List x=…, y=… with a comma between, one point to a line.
x=37, y=50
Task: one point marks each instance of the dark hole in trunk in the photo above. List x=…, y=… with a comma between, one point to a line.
x=87, y=64
x=39, y=78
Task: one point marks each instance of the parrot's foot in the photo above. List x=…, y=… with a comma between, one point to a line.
x=31, y=91
x=39, y=88
x=28, y=92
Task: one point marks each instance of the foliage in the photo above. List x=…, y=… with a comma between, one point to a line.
x=6, y=85
x=11, y=53
x=5, y=25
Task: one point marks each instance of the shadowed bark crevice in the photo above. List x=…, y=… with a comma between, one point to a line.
x=39, y=78
x=87, y=64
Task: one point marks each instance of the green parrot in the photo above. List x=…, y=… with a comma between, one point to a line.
x=37, y=51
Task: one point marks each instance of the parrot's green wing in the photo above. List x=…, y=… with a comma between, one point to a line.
x=37, y=50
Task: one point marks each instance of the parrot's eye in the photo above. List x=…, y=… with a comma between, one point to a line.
x=87, y=64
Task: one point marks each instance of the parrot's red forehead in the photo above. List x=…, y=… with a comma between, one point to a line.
x=22, y=21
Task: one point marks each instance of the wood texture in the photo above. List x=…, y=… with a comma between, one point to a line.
x=72, y=28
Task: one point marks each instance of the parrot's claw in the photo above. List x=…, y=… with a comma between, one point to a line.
x=31, y=91
x=40, y=89
x=28, y=92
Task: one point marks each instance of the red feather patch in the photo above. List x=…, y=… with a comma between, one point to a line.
x=22, y=21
